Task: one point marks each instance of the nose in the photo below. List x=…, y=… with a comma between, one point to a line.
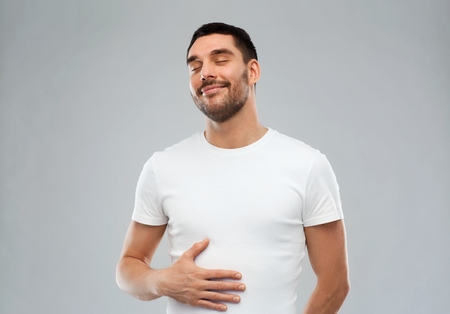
x=207, y=72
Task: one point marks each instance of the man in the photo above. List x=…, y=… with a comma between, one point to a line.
x=239, y=202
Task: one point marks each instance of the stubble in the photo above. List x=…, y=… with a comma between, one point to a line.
x=221, y=108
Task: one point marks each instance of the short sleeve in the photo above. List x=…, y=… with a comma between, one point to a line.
x=322, y=203
x=148, y=209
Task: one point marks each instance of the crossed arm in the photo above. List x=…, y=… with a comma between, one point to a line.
x=190, y=284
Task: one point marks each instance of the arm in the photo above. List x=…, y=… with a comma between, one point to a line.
x=327, y=252
x=183, y=281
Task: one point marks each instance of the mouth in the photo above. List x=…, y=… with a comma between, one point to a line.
x=212, y=89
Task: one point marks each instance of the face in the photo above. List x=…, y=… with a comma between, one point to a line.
x=218, y=77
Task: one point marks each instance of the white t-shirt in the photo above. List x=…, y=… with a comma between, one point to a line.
x=251, y=202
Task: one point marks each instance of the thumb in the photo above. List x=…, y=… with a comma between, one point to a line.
x=196, y=249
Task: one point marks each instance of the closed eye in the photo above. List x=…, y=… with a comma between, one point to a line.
x=196, y=67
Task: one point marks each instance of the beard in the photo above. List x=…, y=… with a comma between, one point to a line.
x=221, y=108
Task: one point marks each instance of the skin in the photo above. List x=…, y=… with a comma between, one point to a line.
x=222, y=86
x=327, y=253
x=205, y=65
x=228, y=105
x=183, y=281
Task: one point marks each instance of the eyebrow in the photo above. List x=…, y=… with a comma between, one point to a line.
x=215, y=52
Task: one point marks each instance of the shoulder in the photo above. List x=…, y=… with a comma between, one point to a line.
x=292, y=146
x=186, y=144
x=177, y=152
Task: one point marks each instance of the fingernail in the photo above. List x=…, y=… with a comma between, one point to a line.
x=241, y=287
x=236, y=299
x=238, y=276
x=223, y=308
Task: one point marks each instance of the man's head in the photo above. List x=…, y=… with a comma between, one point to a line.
x=223, y=69
x=241, y=38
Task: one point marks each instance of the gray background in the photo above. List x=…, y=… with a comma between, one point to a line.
x=90, y=89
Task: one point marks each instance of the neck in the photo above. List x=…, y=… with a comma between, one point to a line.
x=241, y=130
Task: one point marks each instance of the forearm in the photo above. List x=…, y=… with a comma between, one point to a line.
x=183, y=280
x=137, y=279
x=326, y=300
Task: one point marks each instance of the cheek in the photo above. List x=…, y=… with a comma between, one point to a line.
x=233, y=75
x=192, y=87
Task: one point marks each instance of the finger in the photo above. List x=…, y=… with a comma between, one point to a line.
x=211, y=305
x=223, y=286
x=196, y=249
x=220, y=297
x=222, y=273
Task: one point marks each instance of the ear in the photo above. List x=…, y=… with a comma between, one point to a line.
x=254, y=71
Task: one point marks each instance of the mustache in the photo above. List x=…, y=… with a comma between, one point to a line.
x=212, y=82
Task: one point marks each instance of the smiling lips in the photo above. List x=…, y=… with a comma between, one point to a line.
x=208, y=90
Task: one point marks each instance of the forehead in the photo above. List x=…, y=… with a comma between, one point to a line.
x=204, y=45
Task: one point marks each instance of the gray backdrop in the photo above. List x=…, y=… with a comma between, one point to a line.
x=90, y=89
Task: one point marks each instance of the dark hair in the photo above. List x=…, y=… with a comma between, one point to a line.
x=241, y=38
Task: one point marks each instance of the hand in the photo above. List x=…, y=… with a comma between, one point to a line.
x=189, y=284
